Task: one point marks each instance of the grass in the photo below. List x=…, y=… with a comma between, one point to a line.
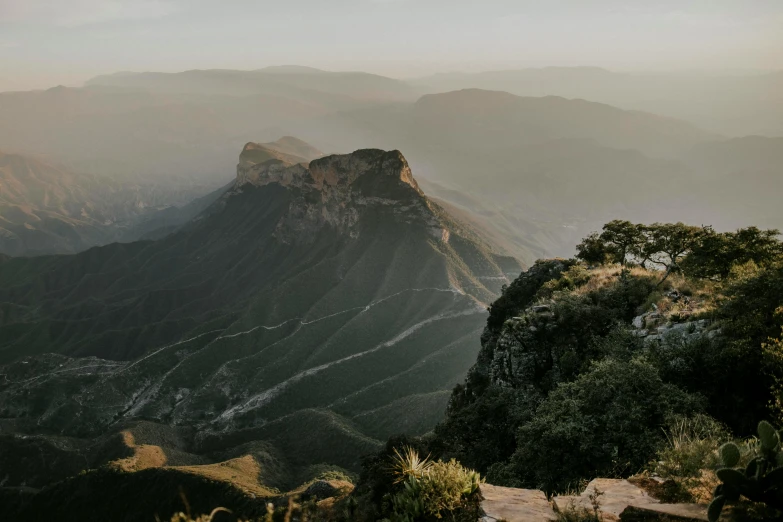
x=690, y=457
x=577, y=513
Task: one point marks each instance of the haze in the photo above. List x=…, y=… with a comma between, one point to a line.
x=47, y=42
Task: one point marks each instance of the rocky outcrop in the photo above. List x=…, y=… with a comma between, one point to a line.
x=615, y=500
x=511, y=505
x=336, y=189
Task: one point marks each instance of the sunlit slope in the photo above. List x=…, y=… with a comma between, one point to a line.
x=306, y=299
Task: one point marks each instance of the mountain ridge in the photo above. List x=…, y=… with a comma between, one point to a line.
x=309, y=299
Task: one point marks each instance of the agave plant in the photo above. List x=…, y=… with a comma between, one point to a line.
x=408, y=463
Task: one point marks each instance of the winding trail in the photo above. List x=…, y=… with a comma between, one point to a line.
x=267, y=395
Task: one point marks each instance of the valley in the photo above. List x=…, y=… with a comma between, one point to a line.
x=291, y=293
x=336, y=276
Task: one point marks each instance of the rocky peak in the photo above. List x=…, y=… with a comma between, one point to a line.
x=334, y=189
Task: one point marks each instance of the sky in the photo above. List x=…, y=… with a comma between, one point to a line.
x=44, y=43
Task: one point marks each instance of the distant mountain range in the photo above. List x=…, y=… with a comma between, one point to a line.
x=538, y=172
x=557, y=169
x=730, y=104
x=313, y=309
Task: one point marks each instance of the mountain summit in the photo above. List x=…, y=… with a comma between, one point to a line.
x=314, y=309
x=333, y=191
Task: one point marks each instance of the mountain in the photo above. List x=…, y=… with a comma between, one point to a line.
x=542, y=172
x=179, y=130
x=476, y=115
x=307, y=314
x=548, y=170
x=45, y=208
x=165, y=221
x=749, y=174
x=730, y=104
x=293, y=82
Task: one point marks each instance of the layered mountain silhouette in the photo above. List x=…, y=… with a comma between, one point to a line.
x=555, y=169
x=536, y=173
x=313, y=309
x=732, y=104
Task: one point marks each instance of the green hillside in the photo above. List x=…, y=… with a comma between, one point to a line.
x=281, y=325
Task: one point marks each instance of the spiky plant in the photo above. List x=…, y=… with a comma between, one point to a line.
x=408, y=463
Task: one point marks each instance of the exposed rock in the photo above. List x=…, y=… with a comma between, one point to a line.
x=334, y=190
x=618, y=500
x=515, y=505
x=665, y=513
x=613, y=496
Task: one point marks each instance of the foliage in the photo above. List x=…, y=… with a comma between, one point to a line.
x=480, y=429
x=714, y=256
x=521, y=292
x=605, y=423
x=700, y=251
x=571, y=279
x=444, y=489
x=760, y=481
x=773, y=352
x=407, y=463
x=593, y=250
x=577, y=513
x=377, y=478
x=691, y=446
x=400, y=484
x=540, y=409
x=483, y=417
x=690, y=453
x=622, y=238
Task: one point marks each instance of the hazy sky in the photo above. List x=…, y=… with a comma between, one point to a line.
x=49, y=42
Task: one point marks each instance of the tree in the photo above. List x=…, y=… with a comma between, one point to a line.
x=593, y=250
x=714, y=256
x=669, y=243
x=622, y=239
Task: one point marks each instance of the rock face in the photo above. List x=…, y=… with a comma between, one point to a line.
x=617, y=500
x=513, y=505
x=333, y=190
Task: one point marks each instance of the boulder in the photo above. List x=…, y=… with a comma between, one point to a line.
x=665, y=513
x=515, y=505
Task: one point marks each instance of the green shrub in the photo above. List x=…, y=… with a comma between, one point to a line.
x=435, y=490
x=691, y=446
x=606, y=423
x=689, y=457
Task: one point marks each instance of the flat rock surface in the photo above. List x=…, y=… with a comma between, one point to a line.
x=665, y=513
x=618, y=500
x=515, y=505
x=614, y=495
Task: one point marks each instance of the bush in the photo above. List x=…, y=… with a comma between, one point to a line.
x=606, y=423
x=691, y=454
x=436, y=490
x=691, y=446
